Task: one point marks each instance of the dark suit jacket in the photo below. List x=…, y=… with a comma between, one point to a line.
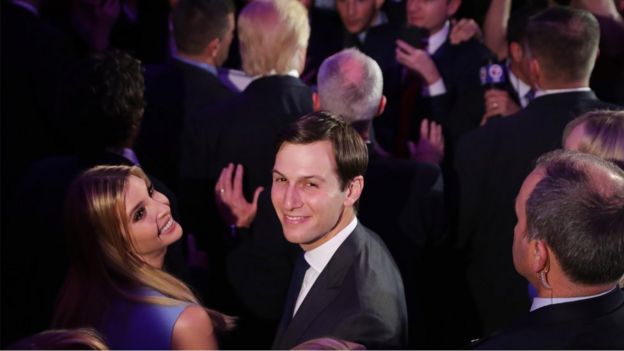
x=174, y=92
x=596, y=323
x=402, y=201
x=358, y=297
x=461, y=108
x=492, y=163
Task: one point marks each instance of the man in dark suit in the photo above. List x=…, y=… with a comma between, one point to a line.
x=352, y=289
x=561, y=47
x=568, y=244
x=188, y=83
x=443, y=78
x=366, y=27
x=273, y=40
x=516, y=91
x=402, y=200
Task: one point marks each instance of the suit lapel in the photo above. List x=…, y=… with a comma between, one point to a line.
x=324, y=290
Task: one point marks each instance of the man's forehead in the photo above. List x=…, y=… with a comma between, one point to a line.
x=306, y=160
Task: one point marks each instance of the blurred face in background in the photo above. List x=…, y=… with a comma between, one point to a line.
x=358, y=15
x=430, y=14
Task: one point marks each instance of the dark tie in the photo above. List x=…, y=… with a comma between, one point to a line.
x=301, y=266
x=530, y=95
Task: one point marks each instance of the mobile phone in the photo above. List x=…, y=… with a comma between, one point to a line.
x=415, y=36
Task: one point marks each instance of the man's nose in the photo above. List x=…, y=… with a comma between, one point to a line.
x=292, y=198
x=351, y=7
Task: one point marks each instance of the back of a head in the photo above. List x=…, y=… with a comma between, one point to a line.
x=603, y=134
x=197, y=22
x=111, y=102
x=518, y=21
x=565, y=43
x=350, y=84
x=578, y=210
x=273, y=36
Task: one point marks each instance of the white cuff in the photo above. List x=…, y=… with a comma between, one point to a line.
x=435, y=89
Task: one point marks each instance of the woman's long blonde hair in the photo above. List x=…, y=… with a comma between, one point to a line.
x=104, y=260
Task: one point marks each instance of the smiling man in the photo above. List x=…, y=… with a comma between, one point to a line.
x=346, y=285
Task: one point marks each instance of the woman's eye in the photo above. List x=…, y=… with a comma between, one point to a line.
x=139, y=214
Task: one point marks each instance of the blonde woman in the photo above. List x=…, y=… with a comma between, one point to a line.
x=599, y=133
x=119, y=228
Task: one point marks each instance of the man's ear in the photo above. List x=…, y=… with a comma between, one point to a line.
x=316, y=101
x=354, y=190
x=515, y=51
x=382, y=106
x=535, y=72
x=212, y=48
x=541, y=255
x=452, y=8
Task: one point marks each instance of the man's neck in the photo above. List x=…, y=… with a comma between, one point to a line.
x=197, y=58
x=568, y=289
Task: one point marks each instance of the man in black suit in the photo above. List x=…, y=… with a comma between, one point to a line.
x=444, y=78
x=366, y=27
x=517, y=91
x=188, y=83
x=568, y=244
x=402, y=200
x=352, y=289
x=561, y=47
x=273, y=40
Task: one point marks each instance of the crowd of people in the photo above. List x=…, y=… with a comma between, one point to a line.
x=348, y=174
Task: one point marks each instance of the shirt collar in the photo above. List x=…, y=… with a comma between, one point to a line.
x=203, y=65
x=519, y=86
x=318, y=257
x=540, y=302
x=27, y=6
x=292, y=73
x=436, y=40
x=540, y=92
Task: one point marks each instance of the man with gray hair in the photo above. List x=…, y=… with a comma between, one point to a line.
x=560, y=46
x=569, y=244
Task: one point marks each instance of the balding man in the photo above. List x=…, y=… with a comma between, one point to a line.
x=560, y=45
x=569, y=244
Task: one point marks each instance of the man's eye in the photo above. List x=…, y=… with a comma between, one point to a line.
x=279, y=180
x=311, y=185
x=139, y=214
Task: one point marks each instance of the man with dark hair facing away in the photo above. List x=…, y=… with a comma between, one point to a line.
x=560, y=49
